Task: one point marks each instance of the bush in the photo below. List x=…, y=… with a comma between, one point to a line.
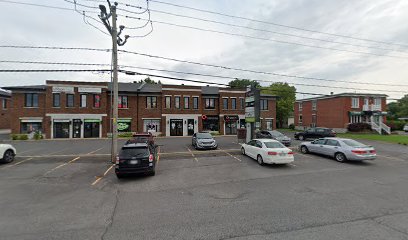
x=358, y=127
x=292, y=126
x=38, y=136
x=19, y=136
x=396, y=125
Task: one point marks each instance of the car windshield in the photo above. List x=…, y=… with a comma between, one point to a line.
x=353, y=143
x=274, y=145
x=127, y=152
x=276, y=134
x=204, y=136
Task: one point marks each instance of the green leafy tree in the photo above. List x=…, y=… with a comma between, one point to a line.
x=399, y=108
x=243, y=83
x=286, y=101
x=148, y=80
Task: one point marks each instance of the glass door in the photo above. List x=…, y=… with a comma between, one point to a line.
x=190, y=127
x=176, y=127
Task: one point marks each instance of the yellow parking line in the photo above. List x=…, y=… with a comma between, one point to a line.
x=17, y=163
x=98, y=178
x=192, y=154
x=59, y=166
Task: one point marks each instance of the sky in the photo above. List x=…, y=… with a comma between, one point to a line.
x=270, y=50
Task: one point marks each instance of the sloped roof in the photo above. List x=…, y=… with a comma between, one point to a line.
x=27, y=88
x=138, y=87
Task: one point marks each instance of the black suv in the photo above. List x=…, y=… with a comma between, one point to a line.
x=136, y=158
x=315, y=133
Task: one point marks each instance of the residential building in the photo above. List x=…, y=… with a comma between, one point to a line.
x=5, y=105
x=70, y=109
x=337, y=111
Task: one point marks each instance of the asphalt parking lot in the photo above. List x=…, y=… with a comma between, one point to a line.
x=67, y=190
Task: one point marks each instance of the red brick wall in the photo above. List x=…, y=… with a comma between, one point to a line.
x=5, y=113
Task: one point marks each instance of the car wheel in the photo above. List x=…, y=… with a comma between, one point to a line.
x=260, y=160
x=243, y=151
x=8, y=156
x=340, y=157
x=301, y=138
x=304, y=149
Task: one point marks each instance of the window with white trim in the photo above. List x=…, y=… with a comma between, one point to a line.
x=300, y=106
x=355, y=102
x=314, y=105
x=377, y=101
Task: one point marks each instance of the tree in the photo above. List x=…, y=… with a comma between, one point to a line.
x=286, y=101
x=399, y=108
x=148, y=80
x=243, y=83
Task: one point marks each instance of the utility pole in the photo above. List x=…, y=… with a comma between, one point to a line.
x=116, y=40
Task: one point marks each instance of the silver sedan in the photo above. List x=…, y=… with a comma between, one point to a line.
x=342, y=149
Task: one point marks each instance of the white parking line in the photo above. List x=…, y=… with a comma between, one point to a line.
x=192, y=154
x=59, y=166
x=95, y=151
x=392, y=158
x=99, y=178
x=229, y=154
x=17, y=163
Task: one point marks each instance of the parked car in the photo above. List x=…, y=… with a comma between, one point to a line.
x=317, y=132
x=7, y=153
x=267, y=151
x=136, y=158
x=406, y=128
x=203, y=140
x=274, y=135
x=141, y=138
x=342, y=149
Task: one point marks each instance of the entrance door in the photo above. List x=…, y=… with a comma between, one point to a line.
x=76, y=132
x=61, y=130
x=91, y=129
x=176, y=127
x=231, y=128
x=190, y=127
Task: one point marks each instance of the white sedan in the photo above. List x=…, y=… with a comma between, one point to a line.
x=7, y=153
x=267, y=151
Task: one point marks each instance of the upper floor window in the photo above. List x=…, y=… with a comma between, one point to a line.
x=123, y=102
x=31, y=100
x=233, y=103
x=186, y=102
x=167, y=100
x=151, y=102
x=377, y=101
x=4, y=103
x=83, y=100
x=225, y=103
x=300, y=106
x=314, y=105
x=210, y=103
x=177, y=102
x=70, y=100
x=242, y=102
x=56, y=100
x=355, y=102
x=96, y=101
x=264, y=104
x=195, y=102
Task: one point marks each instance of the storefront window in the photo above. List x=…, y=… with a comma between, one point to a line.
x=124, y=125
x=91, y=128
x=211, y=123
x=29, y=127
x=61, y=129
x=151, y=125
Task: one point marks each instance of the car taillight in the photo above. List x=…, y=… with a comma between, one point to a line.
x=373, y=151
x=291, y=153
x=117, y=159
x=358, y=151
x=151, y=158
x=272, y=153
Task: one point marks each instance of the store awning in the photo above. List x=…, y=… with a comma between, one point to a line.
x=92, y=120
x=127, y=120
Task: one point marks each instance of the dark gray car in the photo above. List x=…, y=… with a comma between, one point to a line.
x=274, y=135
x=204, y=140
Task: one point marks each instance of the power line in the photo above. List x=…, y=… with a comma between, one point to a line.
x=56, y=48
x=41, y=5
x=251, y=71
x=267, y=39
x=260, y=30
x=54, y=70
x=277, y=24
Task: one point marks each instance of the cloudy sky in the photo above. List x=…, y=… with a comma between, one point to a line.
x=270, y=50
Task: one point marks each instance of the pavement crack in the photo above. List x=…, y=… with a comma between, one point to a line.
x=376, y=220
x=112, y=216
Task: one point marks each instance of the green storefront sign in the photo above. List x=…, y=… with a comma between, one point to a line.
x=92, y=120
x=124, y=124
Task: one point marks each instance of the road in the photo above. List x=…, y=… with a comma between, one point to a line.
x=67, y=190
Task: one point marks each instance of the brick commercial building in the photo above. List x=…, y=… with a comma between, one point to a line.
x=5, y=101
x=68, y=109
x=339, y=110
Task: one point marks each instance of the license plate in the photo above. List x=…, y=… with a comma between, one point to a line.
x=282, y=154
x=133, y=162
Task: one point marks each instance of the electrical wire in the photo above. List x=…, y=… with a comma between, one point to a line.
x=268, y=39
x=56, y=48
x=277, y=24
x=41, y=5
x=55, y=70
x=248, y=70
